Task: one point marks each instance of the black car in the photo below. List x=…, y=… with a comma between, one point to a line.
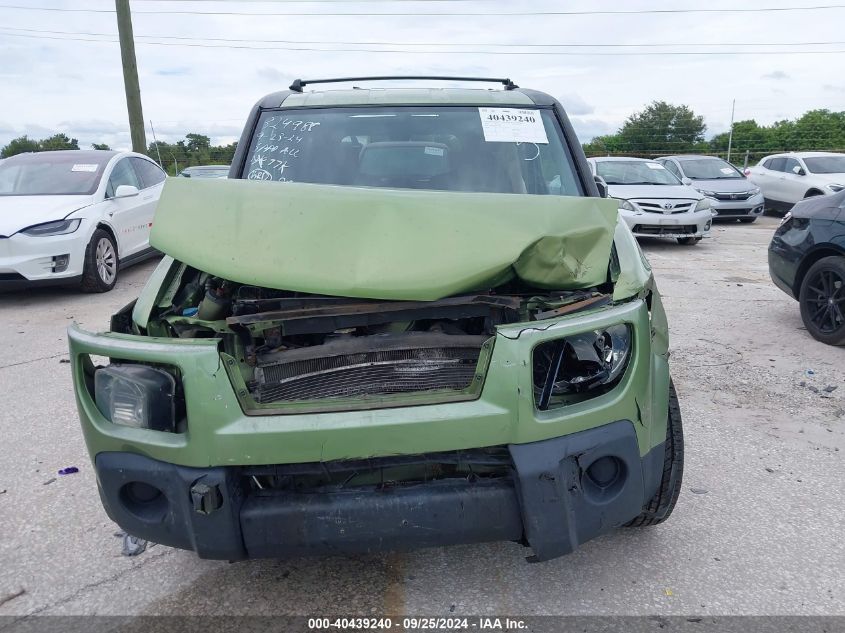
x=807, y=261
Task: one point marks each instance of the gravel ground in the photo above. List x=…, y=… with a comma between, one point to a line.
x=758, y=528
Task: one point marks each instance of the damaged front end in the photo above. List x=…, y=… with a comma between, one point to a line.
x=363, y=396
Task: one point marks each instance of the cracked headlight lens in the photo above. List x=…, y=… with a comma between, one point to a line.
x=136, y=395
x=581, y=366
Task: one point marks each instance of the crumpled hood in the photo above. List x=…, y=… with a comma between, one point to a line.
x=629, y=192
x=382, y=243
x=20, y=212
x=724, y=185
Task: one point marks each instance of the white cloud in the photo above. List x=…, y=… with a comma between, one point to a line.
x=76, y=87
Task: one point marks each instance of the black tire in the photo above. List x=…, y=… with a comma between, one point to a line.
x=658, y=509
x=101, y=263
x=688, y=241
x=748, y=220
x=822, y=300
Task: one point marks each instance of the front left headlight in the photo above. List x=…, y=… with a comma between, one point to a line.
x=48, y=229
x=136, y=395
x=703, y=204
x=625, y=205
x=709, y=194
x=835, y=187
x=581, y=366
x=754, y=192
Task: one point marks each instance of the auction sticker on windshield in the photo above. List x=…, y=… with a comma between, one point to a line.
x=511, y=125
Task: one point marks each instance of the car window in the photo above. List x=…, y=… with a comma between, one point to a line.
x=149, y=173
x=51, y=173
x=790, y=164
x=122, y=174
x=671, y=166
x=447, y=148
x=825, y=164
x=634, y=172
x=775, y=164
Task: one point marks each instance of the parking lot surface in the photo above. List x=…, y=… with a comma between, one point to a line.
x=757, y=530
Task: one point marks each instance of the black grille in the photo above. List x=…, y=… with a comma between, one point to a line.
x=733, y=196
x=744, y=211
x=372, y=365
x=646, y=229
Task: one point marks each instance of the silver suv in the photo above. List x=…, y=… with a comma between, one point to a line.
x=731, y=194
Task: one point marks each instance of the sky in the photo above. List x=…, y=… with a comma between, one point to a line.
x=194, y=78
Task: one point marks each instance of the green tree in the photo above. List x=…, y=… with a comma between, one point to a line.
x=662, y=128
x=99, y=146
x=19, y=146
x=58, y=141
x=197, y=142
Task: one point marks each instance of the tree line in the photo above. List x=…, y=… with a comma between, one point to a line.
x=195, y=149
x=663, y=128
x=659, y=129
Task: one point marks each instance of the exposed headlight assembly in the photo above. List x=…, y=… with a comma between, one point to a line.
x=136, y=395
x=835, y=187
x=625, y=205
x=582, y=366
x=703, y=204
x=59, y=227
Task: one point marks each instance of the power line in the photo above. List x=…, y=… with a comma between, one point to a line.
x=436, y=52
x=373, y=43
x=447, y=14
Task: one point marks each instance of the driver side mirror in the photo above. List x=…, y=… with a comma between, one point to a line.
x=125, y=191
x=601, y=185
x=686, y=181
x=798, y=170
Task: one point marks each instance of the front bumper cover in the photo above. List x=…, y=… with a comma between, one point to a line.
x=550, y=502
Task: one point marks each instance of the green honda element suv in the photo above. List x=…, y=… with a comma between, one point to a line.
x=408, y=318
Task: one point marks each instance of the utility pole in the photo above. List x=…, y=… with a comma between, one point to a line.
x=130, y=76
x=731, y=134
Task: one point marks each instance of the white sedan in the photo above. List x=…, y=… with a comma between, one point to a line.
x=652, y=201
x=789, y=178
x=75, y=216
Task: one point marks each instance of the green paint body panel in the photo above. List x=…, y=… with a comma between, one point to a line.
x=382, y=243
x=385, y=244
x=220, y=434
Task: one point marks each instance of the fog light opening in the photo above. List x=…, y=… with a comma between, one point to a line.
x=144, y=501
x=604, y=478
x=60, y=263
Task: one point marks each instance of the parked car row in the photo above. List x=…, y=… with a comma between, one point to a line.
x=76, y=217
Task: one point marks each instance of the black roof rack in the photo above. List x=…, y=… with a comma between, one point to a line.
x=298, y=84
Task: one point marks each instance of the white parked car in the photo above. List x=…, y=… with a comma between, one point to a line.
x=788, y=178
x=75, y=216
x=731, y=195
x=652, y=201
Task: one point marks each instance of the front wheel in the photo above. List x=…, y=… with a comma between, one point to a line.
x=689, y=241
x=100, y=271
x=658, y=509
x=822, y=300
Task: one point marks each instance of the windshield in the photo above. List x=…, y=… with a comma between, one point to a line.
x=46, y=173
x=634, y=172
x=826, y=164
x=710, y=169
x=498, y=150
